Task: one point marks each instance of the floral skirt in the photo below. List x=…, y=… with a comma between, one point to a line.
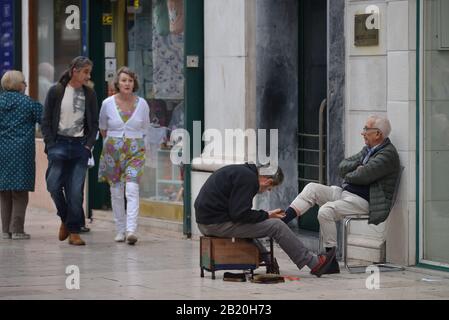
x=122, y=160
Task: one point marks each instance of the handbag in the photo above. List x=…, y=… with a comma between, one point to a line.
x=91, y=161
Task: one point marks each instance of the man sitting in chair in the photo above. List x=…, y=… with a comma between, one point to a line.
x=368, y=187
x=224, y=209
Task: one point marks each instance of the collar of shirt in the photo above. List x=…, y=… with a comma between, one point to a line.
x=369, y=152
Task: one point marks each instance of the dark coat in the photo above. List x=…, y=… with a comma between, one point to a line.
x=52, y=113
x=18, y=117
x=380, y=173
x=227, y=196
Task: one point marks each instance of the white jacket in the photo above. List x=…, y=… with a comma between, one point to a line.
x=134, y=128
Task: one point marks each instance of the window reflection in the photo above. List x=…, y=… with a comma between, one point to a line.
x=156, y=52
x=46, y=77
x=51, y=30
x=436, y=133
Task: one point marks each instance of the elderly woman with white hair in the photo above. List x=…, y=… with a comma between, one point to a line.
x=369, y=180
x=18, y=117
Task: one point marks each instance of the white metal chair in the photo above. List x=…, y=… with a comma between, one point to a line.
x=383, y=267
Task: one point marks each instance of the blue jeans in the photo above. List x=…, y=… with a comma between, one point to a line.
x=67, y=167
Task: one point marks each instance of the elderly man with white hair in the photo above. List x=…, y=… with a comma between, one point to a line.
x=369, y=182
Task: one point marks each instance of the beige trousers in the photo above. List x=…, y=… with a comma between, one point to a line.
x=334, y=204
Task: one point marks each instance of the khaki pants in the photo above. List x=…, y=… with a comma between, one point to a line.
x=334, y=204
x=13, y=207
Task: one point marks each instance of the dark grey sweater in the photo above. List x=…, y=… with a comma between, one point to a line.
x=52, y=112
x=228, y=196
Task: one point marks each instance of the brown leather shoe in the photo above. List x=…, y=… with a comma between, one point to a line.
x=63, y=232
x=76, y=240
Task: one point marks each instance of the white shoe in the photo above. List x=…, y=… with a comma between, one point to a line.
x=132, y=238
x=20, y=236
x=120, y=237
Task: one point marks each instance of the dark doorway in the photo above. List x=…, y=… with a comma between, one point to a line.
x=312, y=92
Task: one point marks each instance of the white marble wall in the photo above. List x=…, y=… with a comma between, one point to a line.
x=229, y=67
x=198, y=179
x=230, y=86
x=382, y=80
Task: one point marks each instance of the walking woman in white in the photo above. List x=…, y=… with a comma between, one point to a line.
x=124, y=118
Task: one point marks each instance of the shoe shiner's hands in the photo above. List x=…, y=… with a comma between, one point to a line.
x=276, y=214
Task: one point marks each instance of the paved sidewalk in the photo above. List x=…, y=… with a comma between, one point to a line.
x=166, y=267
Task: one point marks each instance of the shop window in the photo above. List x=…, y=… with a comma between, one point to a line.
x=435, y=228
x=156, y=53
x=58, y=42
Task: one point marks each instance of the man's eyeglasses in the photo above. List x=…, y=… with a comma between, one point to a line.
x=24, y=82
x=366, y=129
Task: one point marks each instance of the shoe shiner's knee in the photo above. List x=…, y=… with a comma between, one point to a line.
x=277, y=226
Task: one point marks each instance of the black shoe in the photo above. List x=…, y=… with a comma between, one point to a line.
x=234, y=277
x=324, y=262
x=273, y=267
x=84, y=229
x=333, y=267
x=267, y=278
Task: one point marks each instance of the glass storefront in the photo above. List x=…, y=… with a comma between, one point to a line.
x=59, y=40
x=435, y=215
x=154, y=49
x=148, y=37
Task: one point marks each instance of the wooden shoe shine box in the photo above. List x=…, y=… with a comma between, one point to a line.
x=228, y=254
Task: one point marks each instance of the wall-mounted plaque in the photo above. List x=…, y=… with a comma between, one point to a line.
x=364, y=37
